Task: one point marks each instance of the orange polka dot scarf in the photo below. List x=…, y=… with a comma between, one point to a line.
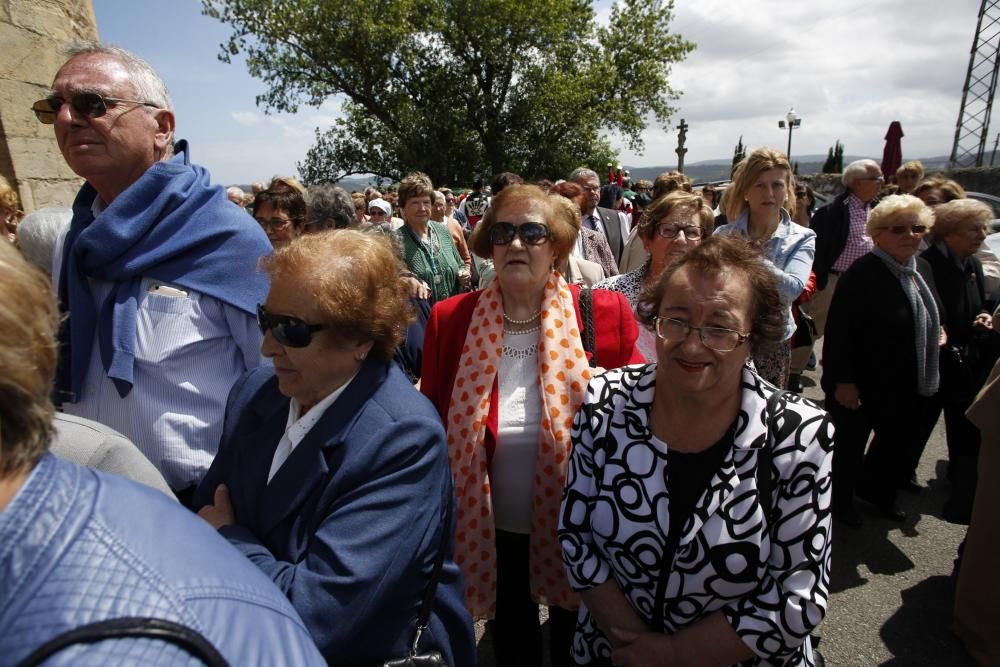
x=563, y=374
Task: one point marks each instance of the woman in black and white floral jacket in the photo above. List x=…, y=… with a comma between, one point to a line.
x=683, y=552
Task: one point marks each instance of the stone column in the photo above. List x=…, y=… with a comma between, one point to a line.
x=32, y=32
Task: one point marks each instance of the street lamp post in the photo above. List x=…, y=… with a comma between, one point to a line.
x=793, y=122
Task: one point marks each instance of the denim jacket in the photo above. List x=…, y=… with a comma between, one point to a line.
x=78, y=546
x=789, y=253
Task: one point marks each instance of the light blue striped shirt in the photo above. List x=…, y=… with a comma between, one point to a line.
x=189, y=351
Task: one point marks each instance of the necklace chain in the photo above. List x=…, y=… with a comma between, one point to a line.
x=527, y=321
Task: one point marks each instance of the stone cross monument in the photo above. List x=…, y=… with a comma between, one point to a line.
x=682, y=133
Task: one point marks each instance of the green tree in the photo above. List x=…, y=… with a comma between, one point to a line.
x=460, y=87
x=739, y=152
x=834, y=159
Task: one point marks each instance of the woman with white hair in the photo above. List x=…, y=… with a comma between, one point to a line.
x=40, y=232
x=960, y=227
x=880, y=361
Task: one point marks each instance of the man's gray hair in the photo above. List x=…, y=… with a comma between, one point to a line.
x=858, y=169
x=582, y=172
x=39, y=232
x=149, y=87
x=328, y=206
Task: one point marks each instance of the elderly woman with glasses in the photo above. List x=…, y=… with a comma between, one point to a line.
x=960, y=228
x=669, y=228
x=280, y=210
x=332, y=474
x=757, y=205
x=696, y=518
x=880, y=361
x=507, y=367
x=428, y=248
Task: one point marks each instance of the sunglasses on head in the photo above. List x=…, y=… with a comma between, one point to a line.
x=288, y=331
x=531, y=233
x=902, y=229
x=88, y=105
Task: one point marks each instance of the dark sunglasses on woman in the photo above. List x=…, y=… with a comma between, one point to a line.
x=903, y=229
x=531, y=233
x=288, y=331
x=89, y=105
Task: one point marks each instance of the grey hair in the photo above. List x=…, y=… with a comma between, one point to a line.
x=38, y=233
x=328, y=206
x=149, y=87
x=437, y=196
x=857, y=169
x=949, y=217
x=582, y=172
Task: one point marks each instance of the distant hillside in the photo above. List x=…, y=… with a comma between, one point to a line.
x=718, y=170
x=704, y=171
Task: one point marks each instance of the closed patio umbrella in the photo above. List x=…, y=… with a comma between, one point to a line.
x=892, y=155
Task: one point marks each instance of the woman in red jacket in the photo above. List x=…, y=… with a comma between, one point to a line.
x=507, y=368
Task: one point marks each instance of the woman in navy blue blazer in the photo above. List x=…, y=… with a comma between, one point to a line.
x=332, y=474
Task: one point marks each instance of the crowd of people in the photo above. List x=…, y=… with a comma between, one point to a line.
x=330, y=426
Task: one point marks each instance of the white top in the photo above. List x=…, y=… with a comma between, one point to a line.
x=520, y=417
x=297, y=427
x=190, y=349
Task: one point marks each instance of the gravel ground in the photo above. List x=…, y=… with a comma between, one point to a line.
x=891, y=589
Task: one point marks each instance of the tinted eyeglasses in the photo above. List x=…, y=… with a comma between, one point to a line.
x=88, y=105
x=274, y=224
x=903, y=229
x=288, y=331
x=531, y=233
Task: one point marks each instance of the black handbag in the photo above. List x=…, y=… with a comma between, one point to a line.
x=431, y=658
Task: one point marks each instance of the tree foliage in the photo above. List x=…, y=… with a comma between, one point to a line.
x=459, y=87
x=834, y=159
x=739, y=152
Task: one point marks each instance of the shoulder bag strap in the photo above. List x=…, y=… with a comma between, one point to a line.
x=765, y=486
x=427, y=605
x=763, y=472
x=126, y=628
x=587, y=315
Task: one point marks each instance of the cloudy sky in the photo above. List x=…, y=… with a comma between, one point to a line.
x=848, y=67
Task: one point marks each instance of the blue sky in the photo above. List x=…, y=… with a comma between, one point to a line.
x=849, y=67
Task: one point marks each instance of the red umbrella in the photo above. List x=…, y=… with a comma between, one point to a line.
x=892, y=156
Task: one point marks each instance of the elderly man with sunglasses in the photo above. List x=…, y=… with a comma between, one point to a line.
x=157, y=273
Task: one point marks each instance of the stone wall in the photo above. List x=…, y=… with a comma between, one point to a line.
x=31, y=32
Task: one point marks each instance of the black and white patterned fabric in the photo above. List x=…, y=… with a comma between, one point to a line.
x=766, y=566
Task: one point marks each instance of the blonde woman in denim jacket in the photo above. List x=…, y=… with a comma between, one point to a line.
x=758, y=201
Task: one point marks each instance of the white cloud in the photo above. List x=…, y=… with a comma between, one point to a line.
x=849, y=69
x=245, y=118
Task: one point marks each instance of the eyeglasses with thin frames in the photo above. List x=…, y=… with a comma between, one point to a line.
x=88, y=105
x=673, y=231
x=719, y=339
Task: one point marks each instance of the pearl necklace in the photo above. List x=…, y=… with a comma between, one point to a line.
x=527, y=321
x=533, y=329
